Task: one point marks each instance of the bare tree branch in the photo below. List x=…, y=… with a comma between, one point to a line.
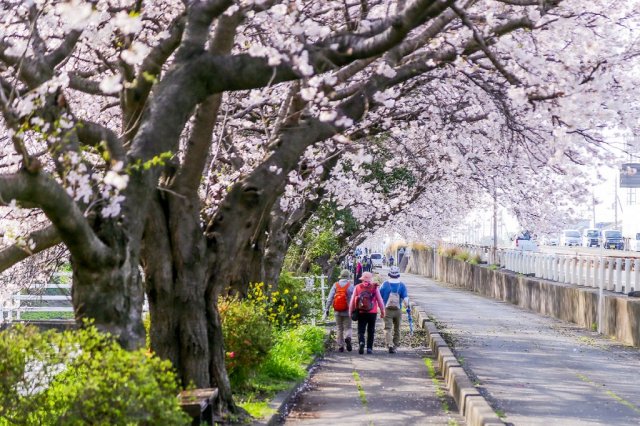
x=63, y=51
x=62, y=211
x=35, y=243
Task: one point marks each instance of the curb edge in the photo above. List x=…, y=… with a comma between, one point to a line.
x=471, y=404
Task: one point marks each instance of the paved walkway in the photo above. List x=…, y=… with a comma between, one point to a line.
x=534, y=369
x=378, y=389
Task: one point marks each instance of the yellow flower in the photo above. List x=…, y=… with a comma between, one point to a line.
x=286, y=291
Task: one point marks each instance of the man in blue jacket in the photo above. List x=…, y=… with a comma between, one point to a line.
x=393, y=293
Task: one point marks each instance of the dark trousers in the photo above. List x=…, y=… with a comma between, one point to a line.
x=366, y=321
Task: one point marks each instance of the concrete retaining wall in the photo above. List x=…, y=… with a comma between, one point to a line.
x=567, y=302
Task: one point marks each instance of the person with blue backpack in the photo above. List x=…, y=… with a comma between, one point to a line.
x=393, y=293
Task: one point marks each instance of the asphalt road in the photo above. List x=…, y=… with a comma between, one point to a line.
x=534, y=369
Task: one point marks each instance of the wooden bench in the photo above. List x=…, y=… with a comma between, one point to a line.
x=198, y=403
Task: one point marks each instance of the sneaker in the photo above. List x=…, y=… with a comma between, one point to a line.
x=348, y=342
x=361, y=348
x=340, y=349
x=369, y=351
x=392, y=350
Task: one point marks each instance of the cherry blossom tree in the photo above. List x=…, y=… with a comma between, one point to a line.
x=194, y=138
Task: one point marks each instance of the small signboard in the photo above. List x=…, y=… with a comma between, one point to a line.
x=630, y=175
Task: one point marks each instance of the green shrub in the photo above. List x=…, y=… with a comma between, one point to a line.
x=247, y=335
x=462, y=255
x=80, y=377
x=293, y=350
x=291, y=303
x=475, y=259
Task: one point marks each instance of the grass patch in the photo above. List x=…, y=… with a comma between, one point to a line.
x=294, y=349
x=440, y=392
x=257, y=409
x=493, y=267
x=500, y=414
x=285, y=365
x=39, y=316
x=363, y=396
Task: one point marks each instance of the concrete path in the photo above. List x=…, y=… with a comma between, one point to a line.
x=533, y=369
x=377, y=389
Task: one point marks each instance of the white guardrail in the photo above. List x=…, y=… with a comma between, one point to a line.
x=617, y=274
x=13, y=307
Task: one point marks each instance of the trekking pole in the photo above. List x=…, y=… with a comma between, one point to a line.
x=410, y=321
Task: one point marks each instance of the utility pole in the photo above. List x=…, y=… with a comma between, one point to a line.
x=615, y=203
x=593, y=209
x=495, y=225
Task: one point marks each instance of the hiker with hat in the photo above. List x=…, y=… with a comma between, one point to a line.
x=339, y=298
x=365, y=303
x=393, y=292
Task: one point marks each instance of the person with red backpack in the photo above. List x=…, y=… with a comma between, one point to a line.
x=366, y=301
x=339, y=298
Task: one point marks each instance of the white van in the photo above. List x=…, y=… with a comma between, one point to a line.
x=376, y=260
x=634, y=242
x=570, y=237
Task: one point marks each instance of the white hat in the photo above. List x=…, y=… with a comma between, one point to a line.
x=394, y=272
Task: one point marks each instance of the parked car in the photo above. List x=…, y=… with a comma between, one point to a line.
x=549, y=240
x=376, y=260
x=612, y=239
x=570, y=237
x=634, y=242
x=524, y=242
x=591, y=237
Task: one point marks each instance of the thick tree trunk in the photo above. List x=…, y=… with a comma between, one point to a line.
x=276, y=251
x=185, y=323
x=112, y=297
x=175, y=266
x=189, y=257
x=159, y=280
x=218, y=369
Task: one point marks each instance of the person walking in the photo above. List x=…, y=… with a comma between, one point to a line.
x=339, y=298
x=393, y=292
x=357, y=271
x=366, y=301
